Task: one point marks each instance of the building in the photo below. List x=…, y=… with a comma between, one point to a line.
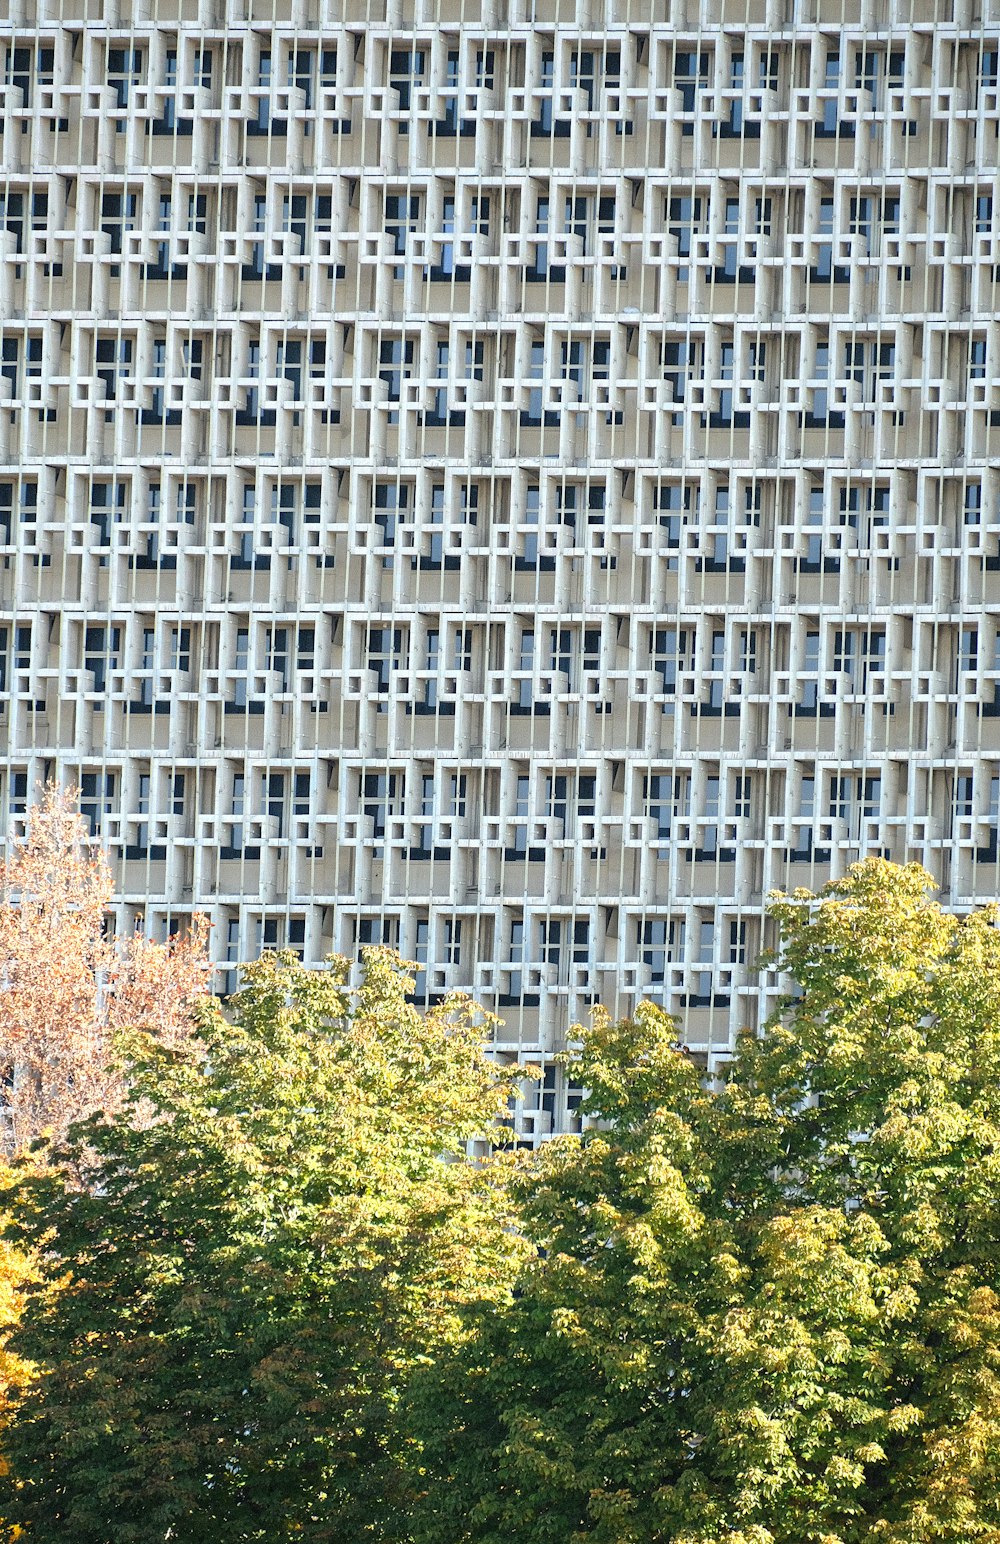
x=517, y=481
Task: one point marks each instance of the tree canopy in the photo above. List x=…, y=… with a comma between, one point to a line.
x=758, y=1309
x=765, y=1313
x=254, y=1265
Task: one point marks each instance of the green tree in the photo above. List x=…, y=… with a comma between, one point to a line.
x=254, y=1265
x=767, y=1313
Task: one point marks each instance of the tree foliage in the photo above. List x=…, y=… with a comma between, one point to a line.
x=254, y=1268
x=18, y=1273
x=283, y=1305
x=766, y=1314
x=67, y=988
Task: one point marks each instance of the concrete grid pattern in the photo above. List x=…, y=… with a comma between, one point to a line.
x=515, y=481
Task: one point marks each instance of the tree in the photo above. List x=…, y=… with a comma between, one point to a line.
x=767, y=1313
x=252, y=1272
x=67, y=988
x=18, y=1271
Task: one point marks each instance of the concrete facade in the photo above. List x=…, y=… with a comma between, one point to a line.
x=517, y=481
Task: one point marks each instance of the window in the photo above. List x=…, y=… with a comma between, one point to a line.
x=278, y=656
x=441, y=413
x=425, y=828
x=27, y=67
x=125, y=69
x=989, y=853
x=445, y=269
x=390, y=506
x=26, y=382
x=984, y=214
x=672, y=651
x=830, y=125
x=868, y=69
x=519, y=848
x=328, y=91
x=547, y=124
x=462, y=649
x=703, y=995
x=306, y=650
x=515, y=956
x=385, y=649
x=860, y=224
x=101, y=653
x=107, y=505
x=143, y=703
x=161, y=269
x=236, y=846
x=528, y=558
x=257, y=268
x=540, y=269
x=802, y=849
x=967, y=657
x=97, y=799
x=432, y=668
x=12, y=218
x=118, y=217
x=288, y=367
x=113, y=366
x=672, y=508
x=380, y=795
x=707, y=849
x=988, y=76
x=179, y=639
x=809, y=704
x=678, y=366
x=536, y=415
x=167, y=122
x=449, y=123
x=721, y=416
x=252, y=412
x=735, y=125
x=157, y=412
x=246, y=557
x=480, y=209
x=395, y=364
x=661, y=798
x=526, y=696
x=177, y=791
x=597, y=75
x=406, y=72
x=660, y=941
x=714, y=703
x=869, y=363
x=294, y=222
x=453, y=941
x=731, y=271
x=260, y=123
x=607, y=246
x=815, y=560
x=239, y=701
x=825, y=271
x=402, y=219
x=140, y=848
x=203, y=69
x=273, y=803
x=299, y=76
x=684, y=218
x=691, y=75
